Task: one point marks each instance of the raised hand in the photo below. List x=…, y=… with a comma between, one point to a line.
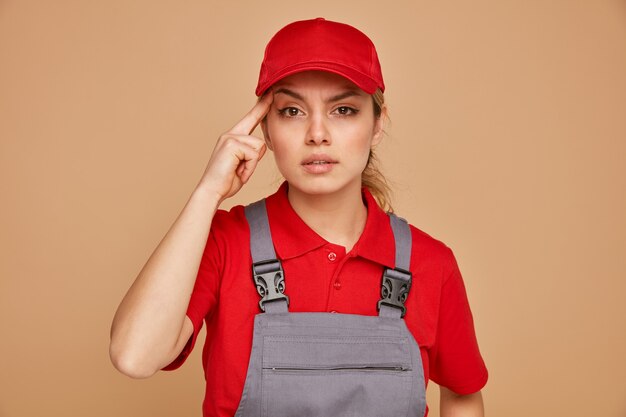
x=236, y=154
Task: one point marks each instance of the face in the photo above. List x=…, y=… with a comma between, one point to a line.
x=321, y=128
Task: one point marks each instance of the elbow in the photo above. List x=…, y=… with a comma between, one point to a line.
x=130, y=364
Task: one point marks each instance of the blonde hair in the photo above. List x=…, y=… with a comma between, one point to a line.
x=372, y=178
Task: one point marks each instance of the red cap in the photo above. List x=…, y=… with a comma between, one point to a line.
x=319, y=44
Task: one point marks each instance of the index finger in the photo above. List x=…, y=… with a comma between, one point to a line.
x=251, y=120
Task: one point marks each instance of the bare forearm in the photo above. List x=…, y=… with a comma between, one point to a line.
x=454, y=405
x=149, y=320
x=150, y=326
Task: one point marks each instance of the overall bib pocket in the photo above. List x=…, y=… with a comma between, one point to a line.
x=335, y=376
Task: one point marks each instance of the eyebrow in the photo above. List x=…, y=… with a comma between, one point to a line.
x=337, y=97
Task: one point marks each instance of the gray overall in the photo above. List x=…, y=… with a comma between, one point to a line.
x=325, y=364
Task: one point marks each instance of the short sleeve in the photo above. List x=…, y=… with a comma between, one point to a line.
x=455, y=359
x=203, y=297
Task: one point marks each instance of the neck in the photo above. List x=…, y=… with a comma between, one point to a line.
x=338, y=217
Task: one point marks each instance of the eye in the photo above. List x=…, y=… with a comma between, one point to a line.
x=289, y=112
x=346, y=111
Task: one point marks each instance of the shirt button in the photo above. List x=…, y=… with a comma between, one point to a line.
x=334, y=312
x=337, y=285
x=332, y=256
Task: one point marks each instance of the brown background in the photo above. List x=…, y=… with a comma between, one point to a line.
x=508, y=142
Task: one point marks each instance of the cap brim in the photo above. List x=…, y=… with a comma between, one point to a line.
x=361, y=80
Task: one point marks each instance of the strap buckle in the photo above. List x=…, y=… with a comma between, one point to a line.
x=269, y=279
x=395, y=289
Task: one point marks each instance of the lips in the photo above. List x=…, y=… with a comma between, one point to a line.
x=319, y=164
x=319, y=159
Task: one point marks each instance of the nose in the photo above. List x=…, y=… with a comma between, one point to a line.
x=317, y=132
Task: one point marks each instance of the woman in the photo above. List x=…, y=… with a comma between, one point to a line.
x=322, y=112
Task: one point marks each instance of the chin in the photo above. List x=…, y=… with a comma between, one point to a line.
x=319, y=185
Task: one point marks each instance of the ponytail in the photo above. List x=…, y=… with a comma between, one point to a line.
x=372, y=178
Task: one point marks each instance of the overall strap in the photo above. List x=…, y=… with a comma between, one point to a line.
x=396, y=282
x=267, y=271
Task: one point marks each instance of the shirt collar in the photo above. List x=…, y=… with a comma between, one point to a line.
x=293, y=237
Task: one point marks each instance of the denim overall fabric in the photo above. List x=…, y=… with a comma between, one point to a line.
x=330, y=364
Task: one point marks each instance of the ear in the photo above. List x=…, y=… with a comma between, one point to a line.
x=379, y=126
x=266, y=134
